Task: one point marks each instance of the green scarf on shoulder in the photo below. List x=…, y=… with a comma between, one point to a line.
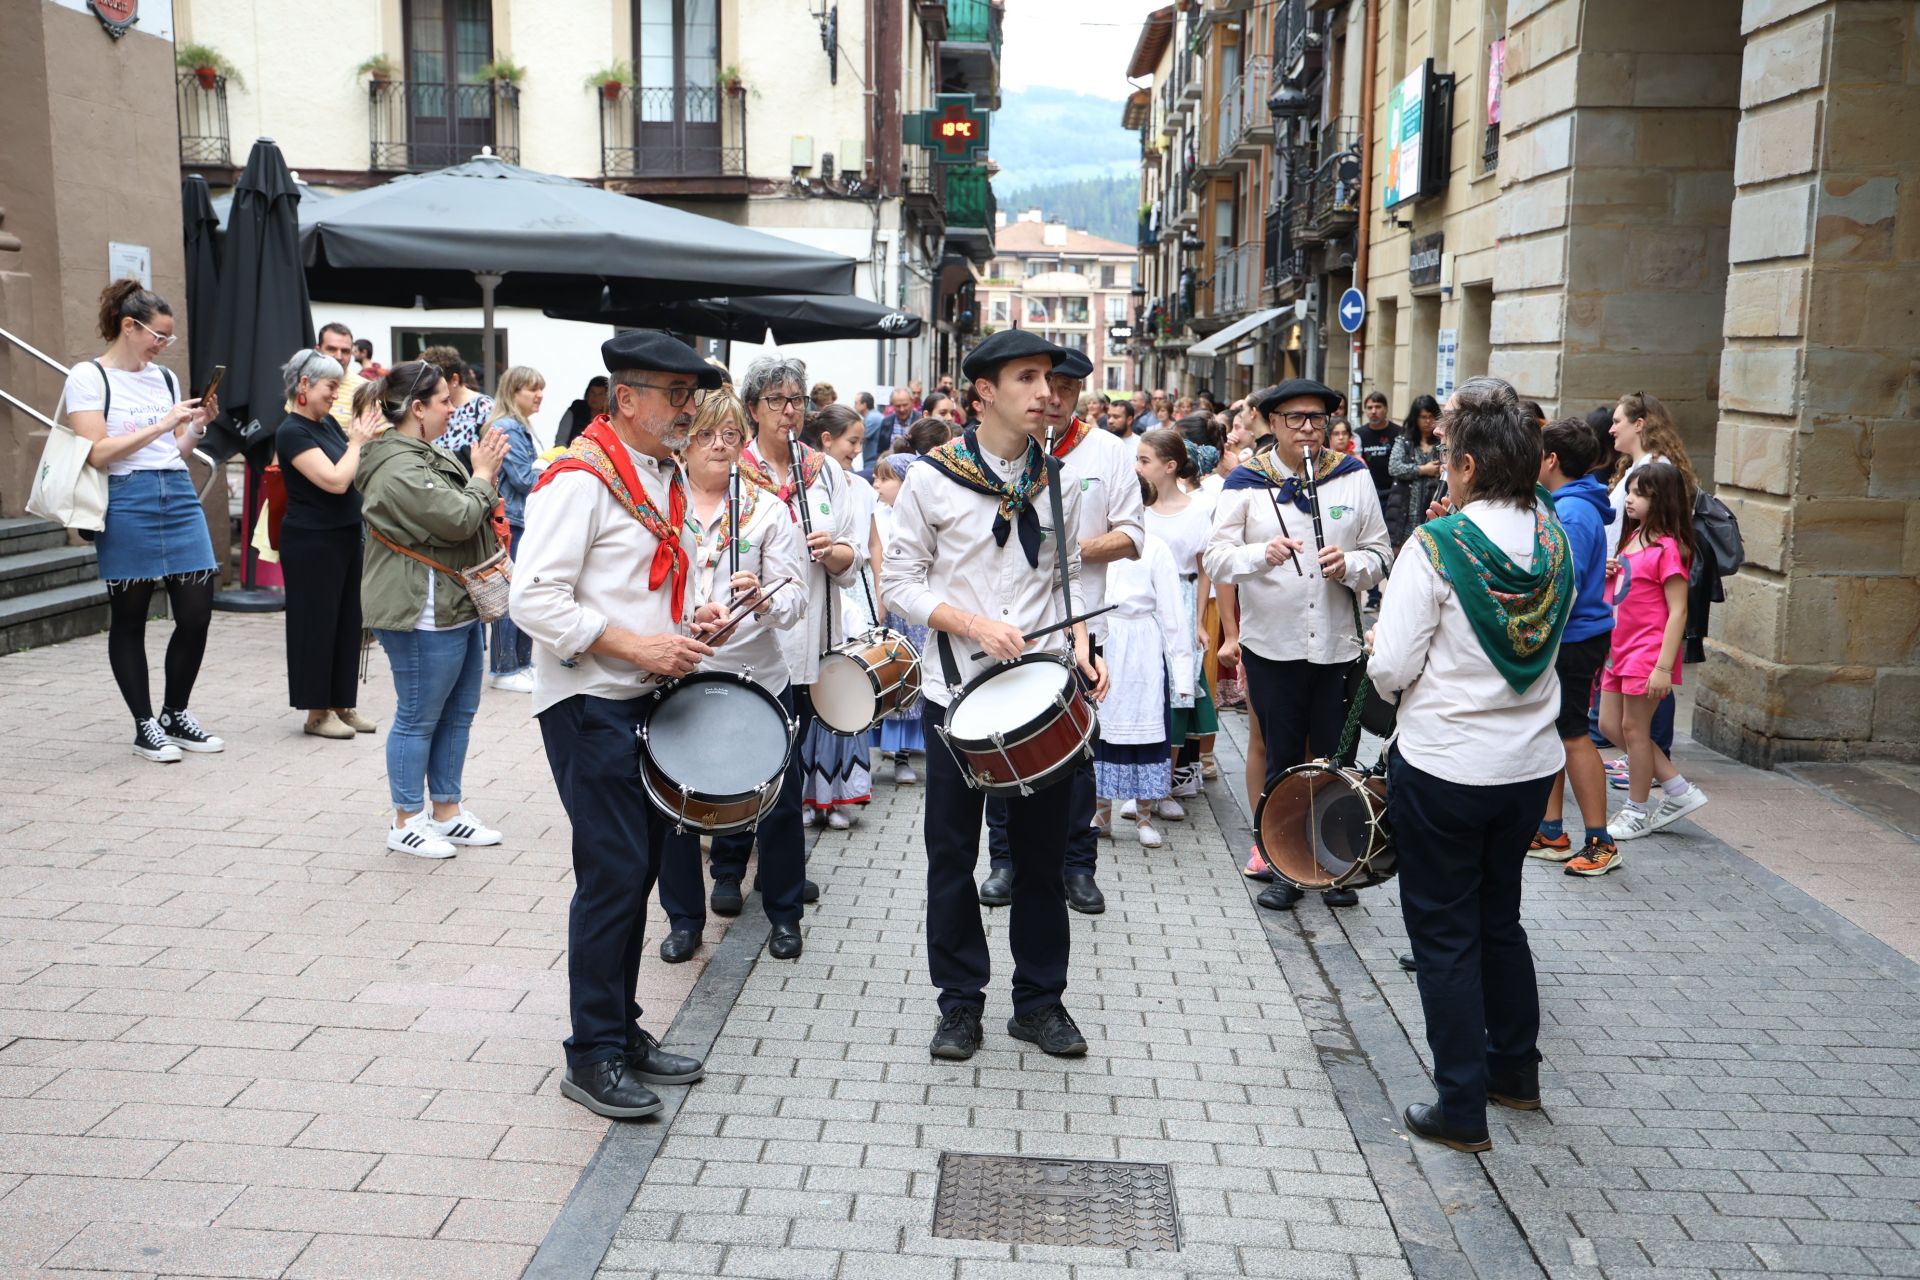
x=1517, y=614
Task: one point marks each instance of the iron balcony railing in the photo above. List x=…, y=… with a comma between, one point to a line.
x=974, y=22
x=201, y=104
x=686, y=131
x=416, y=125
x=923, y=185
x=1236, y=278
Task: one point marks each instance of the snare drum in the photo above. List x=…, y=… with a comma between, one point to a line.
x=1019, y=727
x=713, y=750
x=866, y=680
x=1321, y=827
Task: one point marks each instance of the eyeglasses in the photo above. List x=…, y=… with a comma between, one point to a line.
x=164, y=339
x=1317, y=421
x=676, y=396
x=780, y=404
x=729, y=436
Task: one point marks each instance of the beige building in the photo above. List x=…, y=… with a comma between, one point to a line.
x=1069, y=287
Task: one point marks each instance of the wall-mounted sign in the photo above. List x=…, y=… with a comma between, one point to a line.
x=130, y=260
x=955, y=130
x=115, y=15
x=1424, y=258
x=1419, y=127
x=1446, y=364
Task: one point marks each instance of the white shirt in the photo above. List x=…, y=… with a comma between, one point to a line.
x=942, y=551
x=1617, y=495
x=1150, y=644
x=1459, y=718
x=582, y=566
x=1101, y=469
x=1285, y=615
x=830, y=509
x=139, y=400
x=770, y=549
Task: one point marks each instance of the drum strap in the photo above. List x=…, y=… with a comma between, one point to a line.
x=1054, y=469
x=949, y=669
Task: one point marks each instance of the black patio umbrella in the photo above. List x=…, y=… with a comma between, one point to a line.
x=488, y=233
x=263, y=318
x=200, y=224
x=789, y=317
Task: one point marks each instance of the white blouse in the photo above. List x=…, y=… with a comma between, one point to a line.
x=770, y=549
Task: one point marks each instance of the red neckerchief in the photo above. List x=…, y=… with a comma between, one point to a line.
x=599, y=452
x=801, y=474
x=1077, y=430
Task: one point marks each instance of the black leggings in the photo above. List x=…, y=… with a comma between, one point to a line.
x=128, y=603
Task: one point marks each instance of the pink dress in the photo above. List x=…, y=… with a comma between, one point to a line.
x=1638, y=592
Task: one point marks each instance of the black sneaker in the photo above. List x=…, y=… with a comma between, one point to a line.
x=725, y=899
x=1051, y=1028
x=609, y=1089
x=184, y=732
x=957, y=1038
x=648, y=1063
x=150, y=742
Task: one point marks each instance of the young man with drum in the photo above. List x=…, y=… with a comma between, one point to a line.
x=977, y=557
x=601, y=585
x=813, y=491
x=1097, y=465
x=747, y=542
x=1300, y=546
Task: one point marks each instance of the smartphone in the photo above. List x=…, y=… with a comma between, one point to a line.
x=213, y=383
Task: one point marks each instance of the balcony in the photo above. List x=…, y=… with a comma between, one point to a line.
x=1236, y=279
x=202, y=109
x=689, y=140
x=970, y=53
x=1256, y=122
x=1333, y=206
x=933, y=18
x=970, y=212
x=415, y=125
x=923, y=189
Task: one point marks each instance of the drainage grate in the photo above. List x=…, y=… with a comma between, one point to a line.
x=1071, y=1202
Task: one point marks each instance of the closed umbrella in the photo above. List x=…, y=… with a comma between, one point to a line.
x=200, y=225
x=788, y=317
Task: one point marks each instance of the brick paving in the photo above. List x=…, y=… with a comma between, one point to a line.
x=237, y=1036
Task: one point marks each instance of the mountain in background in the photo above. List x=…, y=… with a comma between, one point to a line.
x=1100, y=206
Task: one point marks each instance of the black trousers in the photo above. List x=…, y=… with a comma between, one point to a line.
x=1301, y=706
x=1461, y=852
x=322, y=569
x=729, y=855
x=783, y=855
x=1083, y=842
x=618, y=838
x=957, y=957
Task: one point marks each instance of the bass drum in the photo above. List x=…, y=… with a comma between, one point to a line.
x=1321, y=827
x=713, y=749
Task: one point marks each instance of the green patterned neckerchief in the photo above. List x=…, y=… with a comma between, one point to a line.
x=1517, y=614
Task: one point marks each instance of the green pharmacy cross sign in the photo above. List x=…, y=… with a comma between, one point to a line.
x=955, y=130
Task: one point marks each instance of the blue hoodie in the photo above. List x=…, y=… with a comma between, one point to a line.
x=1585, y=513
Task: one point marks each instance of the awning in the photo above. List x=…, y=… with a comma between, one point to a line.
x=1209, y=348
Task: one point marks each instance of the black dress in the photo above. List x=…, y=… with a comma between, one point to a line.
x=320, y=551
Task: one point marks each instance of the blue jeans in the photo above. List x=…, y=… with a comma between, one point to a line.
x=436, y=682
x=510, y=648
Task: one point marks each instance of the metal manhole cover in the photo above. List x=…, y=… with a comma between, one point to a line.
x=1018, y=1200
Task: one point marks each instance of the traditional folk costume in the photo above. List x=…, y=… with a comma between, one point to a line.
x=902, y=732
x=1150, y=671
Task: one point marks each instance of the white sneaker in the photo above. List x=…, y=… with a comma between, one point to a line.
x=1170, y=809
x=837, y=819
x=1129, y=809
x=1188, y=782
x=465, y=828
x=514, y=681
x=1149, y=837
x=420, y=837
x=150, y=743
x=809, y=815
x=1630, y=824
x=903, y=774
x=1674, y=808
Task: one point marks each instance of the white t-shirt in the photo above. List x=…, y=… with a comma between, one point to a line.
x=139, y=400
x=1618, y=494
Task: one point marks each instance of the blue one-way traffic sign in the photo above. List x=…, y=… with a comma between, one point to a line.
x=1353, y=310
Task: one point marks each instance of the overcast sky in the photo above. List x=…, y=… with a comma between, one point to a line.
x=1080, y=45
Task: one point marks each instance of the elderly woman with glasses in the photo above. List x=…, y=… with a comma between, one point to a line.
x=813, y=491
x=746, y=541
x=320, y=546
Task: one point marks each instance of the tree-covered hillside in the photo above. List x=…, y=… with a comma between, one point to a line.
x=1101, y=206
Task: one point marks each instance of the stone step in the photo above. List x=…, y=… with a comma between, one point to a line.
x=29, y=533
x=50, y=616
x=26, y=572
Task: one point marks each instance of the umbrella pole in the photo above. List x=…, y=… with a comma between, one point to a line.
x=248, y=598
x=488, y=282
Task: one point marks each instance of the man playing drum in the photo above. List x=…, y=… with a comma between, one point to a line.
x=1098, y=466
x=1298, y=553
x=600, y=584
x=973, y=558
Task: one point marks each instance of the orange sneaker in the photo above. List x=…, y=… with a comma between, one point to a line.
x=1598, y=858
x=1257, y=868
x=1551, y=848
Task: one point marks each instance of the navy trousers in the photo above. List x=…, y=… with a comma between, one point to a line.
x=1301, y=706
x=729, y=856
x=1083, y=842
x=618, y=837
x=1461, y=851
x=957, y=957
x=783, y=855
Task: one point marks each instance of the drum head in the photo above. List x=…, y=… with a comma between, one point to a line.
x=1008, y=699
x=718, y=735
x=843, y=695
x=1318, y=826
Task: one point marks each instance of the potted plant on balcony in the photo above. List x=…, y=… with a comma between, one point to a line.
x=208, y=67
x=379, y=69
x=612, y=81
x=731, y=82
x=504, y=74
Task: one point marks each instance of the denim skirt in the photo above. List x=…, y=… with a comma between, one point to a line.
x=156, y=528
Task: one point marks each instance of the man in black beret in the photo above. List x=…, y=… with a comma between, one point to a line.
x=977, y=556
x=600, y=584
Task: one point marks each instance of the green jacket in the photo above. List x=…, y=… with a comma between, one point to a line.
x=425, y=500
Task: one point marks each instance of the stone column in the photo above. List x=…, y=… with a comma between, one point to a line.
x=1817, y=651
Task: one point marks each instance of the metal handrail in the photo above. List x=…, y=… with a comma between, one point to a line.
x=34, y=351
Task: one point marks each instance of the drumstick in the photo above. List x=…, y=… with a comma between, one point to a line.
x=733, y=518
x=1275, y=495
x=743, y=607
x=1058, y=626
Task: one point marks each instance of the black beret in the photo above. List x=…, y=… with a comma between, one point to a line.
x=1075, y=365
x=1008, y=344
x=1293, y=389
x=658, y=352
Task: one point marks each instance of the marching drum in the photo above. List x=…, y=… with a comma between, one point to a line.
x=865, y=680
x=713, y=750
x=1016, y=727
x=1321, y=827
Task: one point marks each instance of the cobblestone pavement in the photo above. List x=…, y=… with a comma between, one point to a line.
x=237, y=1036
